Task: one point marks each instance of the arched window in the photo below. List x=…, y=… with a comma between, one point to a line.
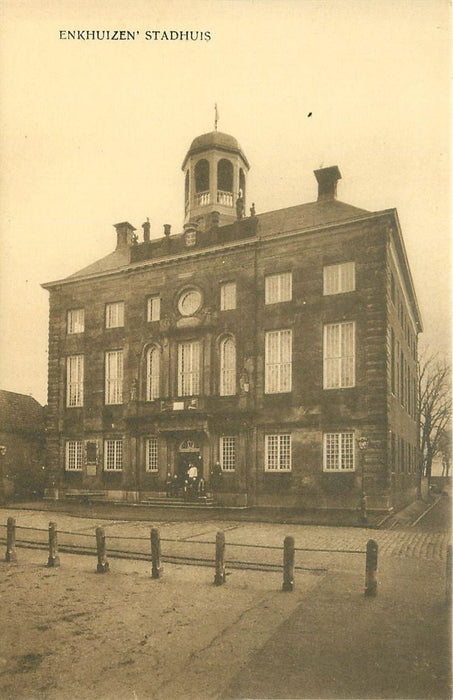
x=152, y=373
x=202, y=176
x=242, y=184
x=227, y=367
x=225, y=175
x=186, y=191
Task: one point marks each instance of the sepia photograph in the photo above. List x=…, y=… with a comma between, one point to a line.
x=225, y=350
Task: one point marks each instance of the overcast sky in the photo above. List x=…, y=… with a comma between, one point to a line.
x=93, y=133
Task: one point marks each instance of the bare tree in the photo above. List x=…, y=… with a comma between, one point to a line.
x=435, y=403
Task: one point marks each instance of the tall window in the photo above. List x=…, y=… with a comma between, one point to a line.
x=74, y=380
x=228, y=453
x=114, y=377
x=189, y=369
x=338, y=452
x=151, y=454
x=339, y=355
x=392, y=360
x=339, y=278
x=74, y=455
x=114, y=314
x=76, y=321
x=277, y=453
x=113, y=455
x=278, y=358
x=153, y=308
x=278, y=288
x=227, y=296
x=227, y=367
x=152, y=374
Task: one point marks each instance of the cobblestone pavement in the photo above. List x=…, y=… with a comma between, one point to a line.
x=197, y=536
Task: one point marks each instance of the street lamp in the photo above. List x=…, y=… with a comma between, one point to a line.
x=363, y=445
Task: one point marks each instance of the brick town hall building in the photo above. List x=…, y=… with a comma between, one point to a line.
x=268, y=343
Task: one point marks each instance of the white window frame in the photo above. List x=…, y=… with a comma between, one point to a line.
x=227, y=385
x=227, y=296
x=339, y=278
x=227, y=451
x=153, y=308
x=113, y=377
x=114, y=314
x=75, y=321
x=277, y=453
x=152, y=373
x=151, y=454
x=113, y=455
x=278, y=288
x=338, y=361
x=74, y=455
x=74, y=381
x=345, y=441
x=189, y=368
x=278, y=361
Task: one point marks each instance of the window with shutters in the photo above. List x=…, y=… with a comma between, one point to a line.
x=151, y=455
x=74, y=380
x=114, y=314
x=227, y=296
x=74, y=455
x=277, y=453
x=152, y=373
x=278, y=288
x=75, y=321
x=227, y=367
x=278, y=361
x=113, y=455
x=228, y=453
x=189, y=368
x=339, y=278
x=339, y=355
x=153, y=308
x=114, y=377
x=339, y=452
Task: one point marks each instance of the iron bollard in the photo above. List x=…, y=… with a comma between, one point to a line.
x=156, y=568
x=54, y=559
x=11, y=540
x=103, y=565
x=220, y=576
x=449, y=573
x=288, y=564
x=371, y=568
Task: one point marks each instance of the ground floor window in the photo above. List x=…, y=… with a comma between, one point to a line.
x=339, y=452
x=151, y=454
x=113, y=455
x=74, y=455
x=277, y=453
x=228, y=453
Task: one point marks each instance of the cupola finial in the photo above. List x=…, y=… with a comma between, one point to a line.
x=216, y=116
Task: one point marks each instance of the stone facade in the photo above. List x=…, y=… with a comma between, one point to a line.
x=283, y=431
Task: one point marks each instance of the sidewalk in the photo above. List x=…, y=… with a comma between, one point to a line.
x=339, y=644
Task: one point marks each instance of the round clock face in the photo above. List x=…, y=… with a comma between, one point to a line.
x=189, y=302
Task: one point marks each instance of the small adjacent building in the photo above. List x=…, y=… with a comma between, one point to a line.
x=266, y=344
x=22, y=445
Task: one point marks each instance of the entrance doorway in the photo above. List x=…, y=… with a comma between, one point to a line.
x=189, y=452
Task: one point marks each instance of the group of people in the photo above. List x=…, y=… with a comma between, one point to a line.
x=190, y=484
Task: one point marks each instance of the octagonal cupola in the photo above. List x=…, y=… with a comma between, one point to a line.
x=215, y=170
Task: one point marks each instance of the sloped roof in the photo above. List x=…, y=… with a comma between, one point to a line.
x=304, y=216
x=112, y=261
x=20, y=412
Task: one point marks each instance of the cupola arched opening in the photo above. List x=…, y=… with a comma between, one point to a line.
x=225, y=182
x=242, y=183
x=186, y=191
x=202, y=176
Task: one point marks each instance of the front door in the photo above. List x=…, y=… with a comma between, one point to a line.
x=189, y=452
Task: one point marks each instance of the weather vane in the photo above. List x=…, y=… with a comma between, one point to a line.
x=216, y=116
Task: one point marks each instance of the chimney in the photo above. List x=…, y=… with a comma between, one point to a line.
x=124, y=234
x=167, y=229
x=327, y=182
x=146, y=229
